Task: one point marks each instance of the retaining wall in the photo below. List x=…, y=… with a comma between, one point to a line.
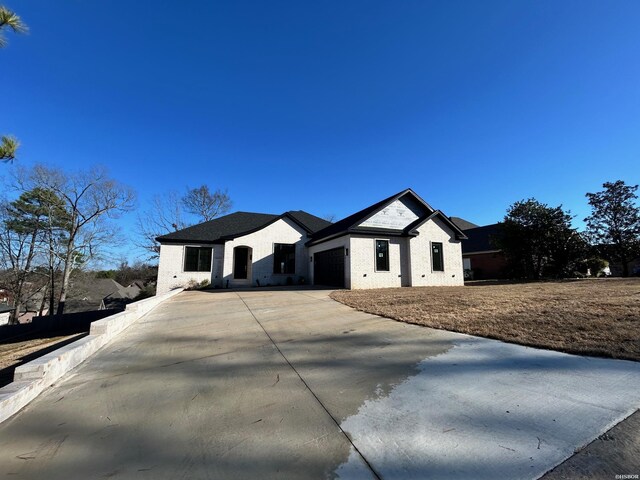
x=33, y=378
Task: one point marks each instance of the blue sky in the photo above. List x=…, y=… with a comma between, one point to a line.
x=331, y=106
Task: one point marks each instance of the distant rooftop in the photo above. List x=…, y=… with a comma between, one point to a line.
x=480, y=239
x=463, y=224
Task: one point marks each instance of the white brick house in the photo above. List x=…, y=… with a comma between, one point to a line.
x=400, y=241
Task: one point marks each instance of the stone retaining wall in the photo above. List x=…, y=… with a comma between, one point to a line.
x=34, y=377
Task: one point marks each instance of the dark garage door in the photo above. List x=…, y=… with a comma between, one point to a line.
x=328, y=268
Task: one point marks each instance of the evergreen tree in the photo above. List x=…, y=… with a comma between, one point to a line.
x=538, y=240
x=614, y=224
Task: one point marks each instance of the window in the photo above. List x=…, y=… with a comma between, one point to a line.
x=382, y=255
x=284, y=258
x=197, y=259
x=437, y=260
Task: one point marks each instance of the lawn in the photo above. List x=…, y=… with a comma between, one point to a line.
x=598, y=317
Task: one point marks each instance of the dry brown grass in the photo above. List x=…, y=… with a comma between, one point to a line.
x=589, y=317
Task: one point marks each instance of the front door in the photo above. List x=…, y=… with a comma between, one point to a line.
x=240, y=263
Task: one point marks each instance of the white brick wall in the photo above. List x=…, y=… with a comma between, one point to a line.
x=363, y=263
x=421, y=275
x=261, y=243
x=409, y=259
x=4, y=318
x=171, y=272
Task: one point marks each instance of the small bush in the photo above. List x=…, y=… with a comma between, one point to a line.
x=195, y=285
x=596, y=266
x=146, y=292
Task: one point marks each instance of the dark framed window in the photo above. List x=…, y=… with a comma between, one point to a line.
x=437, y=258
x=197, y=259
x=382, y=255
x=284, y=258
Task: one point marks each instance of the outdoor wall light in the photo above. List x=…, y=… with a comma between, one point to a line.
x=364, y=275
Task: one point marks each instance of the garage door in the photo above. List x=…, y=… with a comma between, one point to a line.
x=328, y=268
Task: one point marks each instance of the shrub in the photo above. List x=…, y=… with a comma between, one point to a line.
x=195, y=285
x=146, y=292
x=596, y=265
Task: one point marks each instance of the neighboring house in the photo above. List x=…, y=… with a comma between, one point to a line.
x=5, y=313
x=480, y=257
x=633, y=267
x=400, y=241
x=100, y=294
x=6, y=298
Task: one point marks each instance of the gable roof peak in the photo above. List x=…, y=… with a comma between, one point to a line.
x=347, y=224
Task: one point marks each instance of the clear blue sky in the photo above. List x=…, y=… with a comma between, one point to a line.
x=331, y=106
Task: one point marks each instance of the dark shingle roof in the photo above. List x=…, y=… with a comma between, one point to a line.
x=463, y=224
x=214, y=230
x=309, y=222
x=89, y=295
x=238, y=224
x=479, y=239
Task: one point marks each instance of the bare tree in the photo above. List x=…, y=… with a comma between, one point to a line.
x=206, y=205
x=91, y=198
x=164, y=216
x=172, y=212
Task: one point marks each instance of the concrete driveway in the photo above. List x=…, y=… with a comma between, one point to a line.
x=289, y=384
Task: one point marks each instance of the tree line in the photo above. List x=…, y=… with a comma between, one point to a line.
x=57, y=224
x=539, y=241
x=60, y=223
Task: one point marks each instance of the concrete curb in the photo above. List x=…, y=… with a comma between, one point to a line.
x=33, y=378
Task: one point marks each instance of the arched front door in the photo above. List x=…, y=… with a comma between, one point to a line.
x=241, y=263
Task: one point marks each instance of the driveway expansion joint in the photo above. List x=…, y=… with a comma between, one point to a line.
x=346, y=436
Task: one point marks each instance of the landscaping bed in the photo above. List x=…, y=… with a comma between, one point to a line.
x=599, y=317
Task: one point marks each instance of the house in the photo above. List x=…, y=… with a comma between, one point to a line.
x=99, y=294
x=6, y=298
x=633, y=268
x=480, y=256
x=5, y=314
x=399, y=241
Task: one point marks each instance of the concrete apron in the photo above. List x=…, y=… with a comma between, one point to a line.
x=468, y=407
x=293, y=385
